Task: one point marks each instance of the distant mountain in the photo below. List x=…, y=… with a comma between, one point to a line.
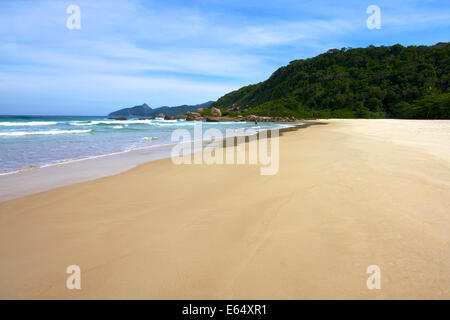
x=145, y=111
x=137, y=111
x=174, y=111
x=372, y=82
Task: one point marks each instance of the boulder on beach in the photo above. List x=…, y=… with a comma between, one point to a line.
x=193, y=116
x=216, y=112
x=228, y=119
x=212, y=119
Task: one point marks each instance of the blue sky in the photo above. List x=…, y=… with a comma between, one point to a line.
x=180, y=52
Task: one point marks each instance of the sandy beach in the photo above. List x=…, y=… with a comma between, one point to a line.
x=348, y=194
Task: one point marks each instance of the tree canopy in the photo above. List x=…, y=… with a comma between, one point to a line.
x=373, y=82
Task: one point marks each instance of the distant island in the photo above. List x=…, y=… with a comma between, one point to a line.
x=145, y=111
x=374, y=82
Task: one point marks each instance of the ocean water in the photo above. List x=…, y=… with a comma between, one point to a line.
x=37, y=141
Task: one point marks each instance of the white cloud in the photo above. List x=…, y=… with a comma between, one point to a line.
x=285, y=33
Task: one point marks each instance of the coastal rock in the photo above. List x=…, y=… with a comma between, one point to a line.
x=228, y=119
x=180, y=116
x=216, y=112
x=255, y=118
x=118, y=118
x=234, y=108
x=193, y=116
x=167, y=117
x=200, y=110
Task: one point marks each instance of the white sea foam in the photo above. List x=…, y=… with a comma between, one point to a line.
x=190, y=123
x=117, y=127
x=30, y=123
x=154, y=122
x=149, y=138
x=109, y=122
x=79, y=123
x=221, y=122
x=157, y=121
x=49, y=132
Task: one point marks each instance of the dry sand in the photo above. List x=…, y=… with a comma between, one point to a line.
x=348, y=194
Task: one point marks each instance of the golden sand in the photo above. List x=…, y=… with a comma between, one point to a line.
x=348, y=194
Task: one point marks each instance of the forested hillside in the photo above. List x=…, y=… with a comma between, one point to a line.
x=372, y=82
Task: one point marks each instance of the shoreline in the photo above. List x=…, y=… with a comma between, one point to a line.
x=98, y=137
x=348, y=195
x=27, y=181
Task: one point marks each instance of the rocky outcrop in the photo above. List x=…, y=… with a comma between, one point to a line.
x=193, y=116
x=227, y=119
x=167, y=117
x=216, y=112
x=254, y=118
x=118, y=118
x=234, y=108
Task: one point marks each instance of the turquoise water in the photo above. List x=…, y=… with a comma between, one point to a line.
x=27, y=141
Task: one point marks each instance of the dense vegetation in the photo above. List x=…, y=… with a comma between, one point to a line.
x=373, y=82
